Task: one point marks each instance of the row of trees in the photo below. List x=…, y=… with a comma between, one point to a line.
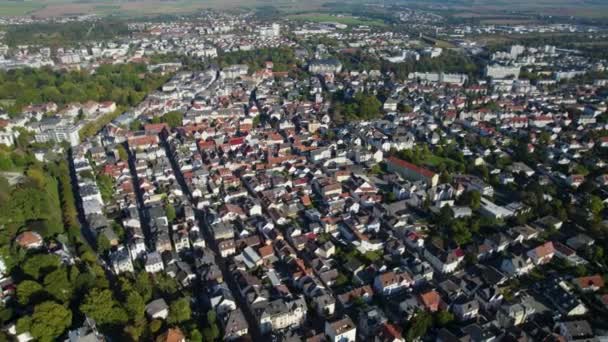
x=62, y=34
x=125, y=84
x=32, y=202
x=362, y=106
x=282, y=58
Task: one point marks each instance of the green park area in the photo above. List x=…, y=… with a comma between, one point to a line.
x=342, y=19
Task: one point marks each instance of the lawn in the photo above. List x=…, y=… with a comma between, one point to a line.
x=433, y=160
x=346, y=20
x=15, y=8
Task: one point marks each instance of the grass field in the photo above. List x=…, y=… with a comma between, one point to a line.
x=342, y=19
x=471, y=9
x=50, y=8
x=14, y=8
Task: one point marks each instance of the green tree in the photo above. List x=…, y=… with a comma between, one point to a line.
x=100, y=305
x=58, y=285
x=49, y=321
x=595, y=205
x=173, y=119
x=103, y=244
x=211, y=331
x=27, y=290
x=106, y=187
x=135, y=306
x=155, y=325
x=39, y=264
x=170, y=212
x=419, y=325
x=143, y=285
x=179, y=311
x=122, y=152
x=444, y=317
x=136, y=329
x=196, y=336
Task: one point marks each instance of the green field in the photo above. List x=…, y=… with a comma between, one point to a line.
x=343, y=19
x=15, y=8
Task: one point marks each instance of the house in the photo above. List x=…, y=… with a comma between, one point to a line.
x=392, y=282
x=390, y=332
x=412, y=172
x=576, y=331
x=226, y=247
x=590, y=283
x=542, y=254
x=235, y=325
x=465, y=307
x=516, y=265
x=280, y=313
x=221, y=299
x=430, y=300
x=121, y=261
x=157, y=309
x=563, y=298
x=364, y=293
x=342, y=330
x=514, y=313
x=154, y=262
x=29, y=240
x=325, y=66
x=172, y=335
x=444, y=261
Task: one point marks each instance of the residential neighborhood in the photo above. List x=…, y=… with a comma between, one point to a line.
x=294, y=180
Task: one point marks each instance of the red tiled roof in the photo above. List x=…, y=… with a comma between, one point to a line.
x=414, y=168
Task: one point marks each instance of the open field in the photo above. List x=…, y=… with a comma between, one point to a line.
x=50, y=8
x=481, y=9
x=15, y=8
x=342, y=19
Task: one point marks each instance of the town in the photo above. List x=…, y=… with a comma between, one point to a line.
x=226, y=176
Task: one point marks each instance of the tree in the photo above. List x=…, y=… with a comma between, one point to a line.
x=211, y=331
x=144, y=286
x=472, y=199
x=155, y=325
x=179, y=311
x=106, y=186
x=49, y=321
x=173, y=119
x=58, y=285
x=136, y=329
x=6, y=163
x=445, y=217
x=122, y=152
x=135, y=306
x=166, y=284
x=40, y=263
x=103, y=244
x=101, y=306
x=444, y=317
x=420, y=324
x=170, y=212
x=460, y=232
x=595, y=205
x=27, y=290
x=196, y=336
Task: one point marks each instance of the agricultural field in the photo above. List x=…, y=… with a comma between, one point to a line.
x=50, y=8
x=342, y=19
x=19, y=8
